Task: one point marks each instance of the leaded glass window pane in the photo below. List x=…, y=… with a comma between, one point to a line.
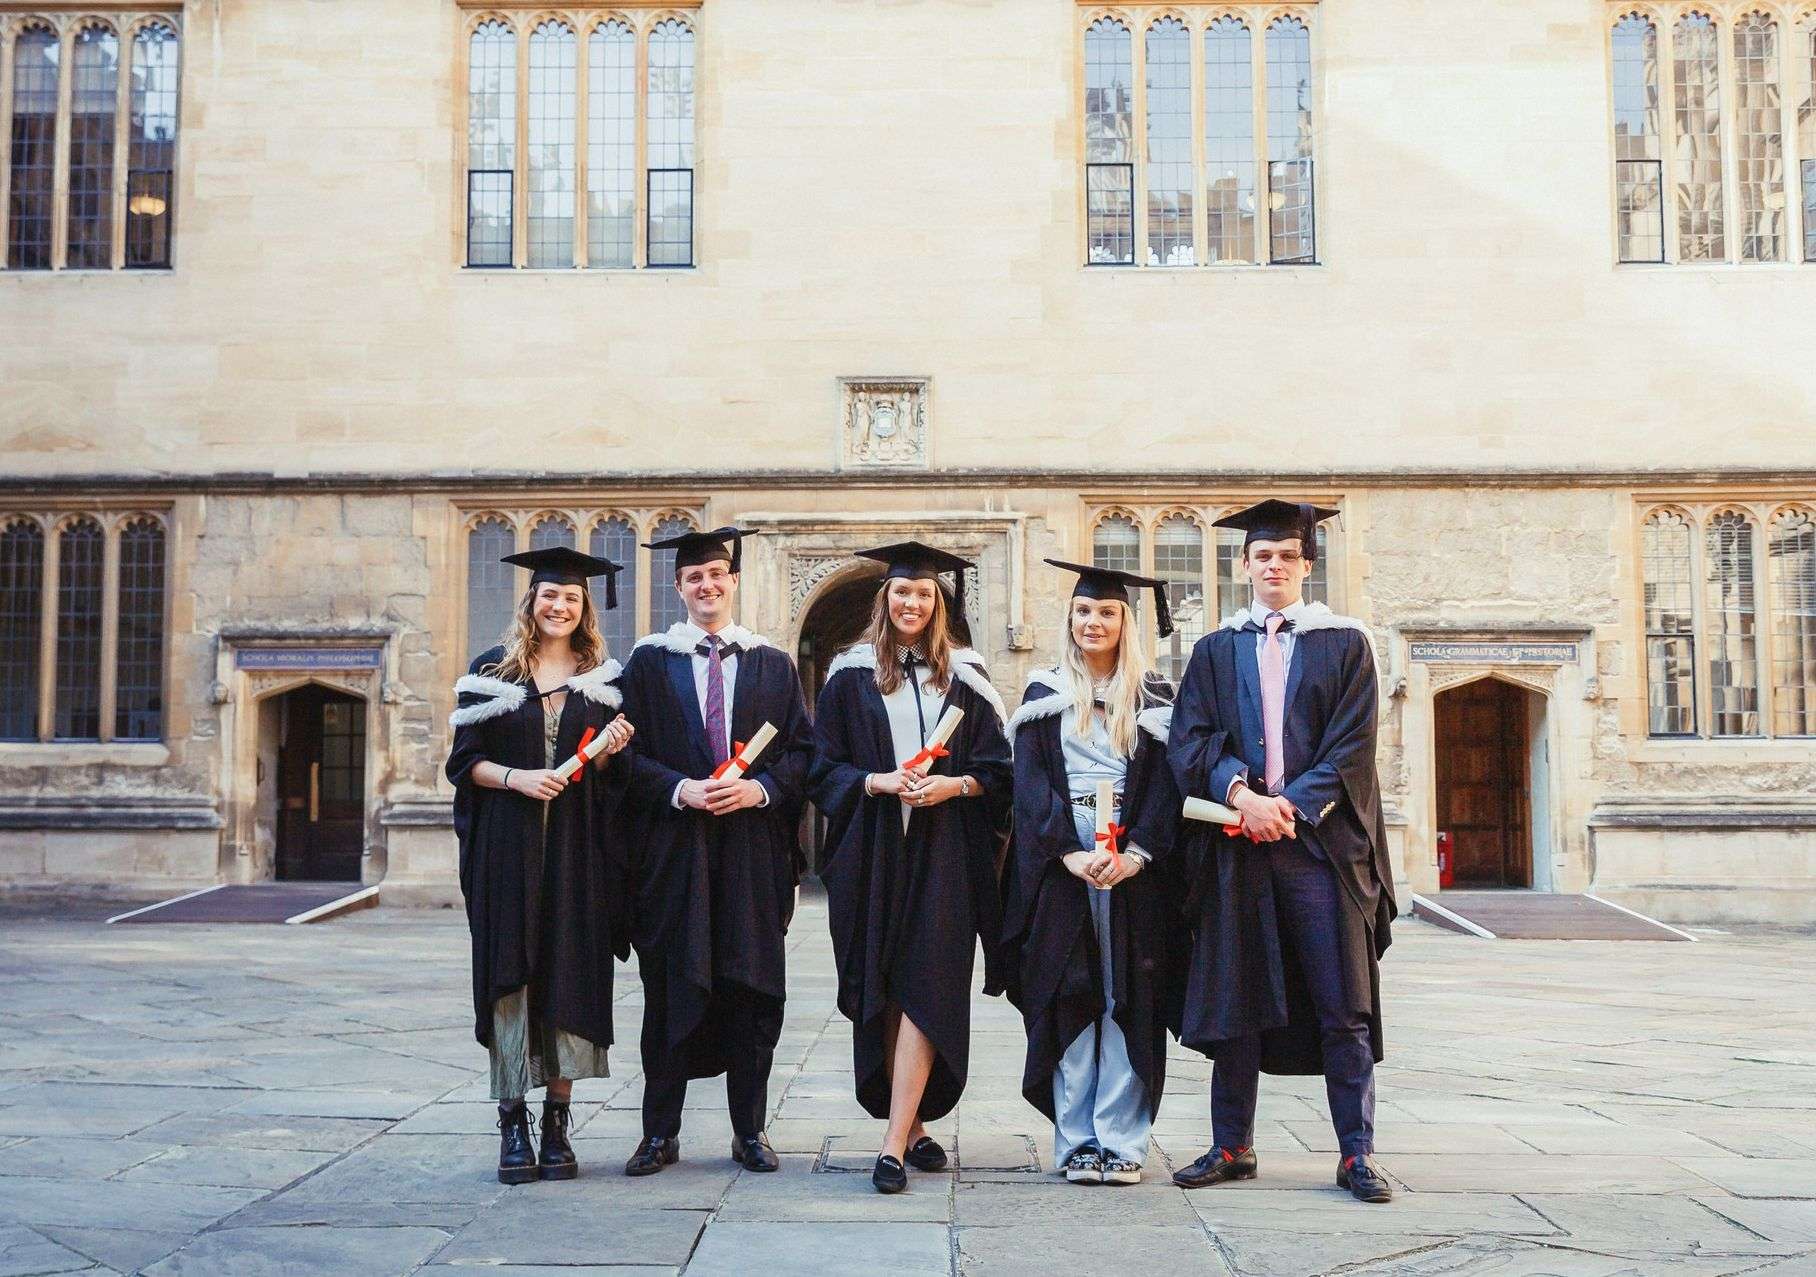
x=491, y=144
x=1806, y=134
x=21, y=621
x=665, y=605
x=80, y=548
x=1179, y=561
x=1793, y=567
x=94, y=85
x=491, y=585
x=151, y=146
x=1669, y=592
x=616, y=539
x=1696, y=63
x=28, y=219
x=611, y=145
x=1169, y=155
x=139, y=657
x=1109, y=144
x=1638, y=165
x=1116, y=544
x=1291, y=228
x=1730, y=618
x=1229, y=142
x=671, y=144
x=1233, y=590
x=1317, y=581
x=550, y=532
x=552, y=90
x=1759, y=130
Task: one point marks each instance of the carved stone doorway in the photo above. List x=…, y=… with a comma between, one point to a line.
x=1492, y=765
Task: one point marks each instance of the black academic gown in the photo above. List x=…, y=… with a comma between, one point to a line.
x=714, y=893
x=1058, y=972
x=546, y=913
x=908, y=909
x=1242, y=977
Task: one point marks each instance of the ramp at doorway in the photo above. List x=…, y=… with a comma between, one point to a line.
x=269, y=902
x=1539, y=915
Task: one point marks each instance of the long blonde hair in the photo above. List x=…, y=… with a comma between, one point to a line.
x=1121, y=695
x=935, y=643
x=523, y=641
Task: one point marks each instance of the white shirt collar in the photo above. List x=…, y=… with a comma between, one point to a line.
x=693, y=635
x=1291, y=611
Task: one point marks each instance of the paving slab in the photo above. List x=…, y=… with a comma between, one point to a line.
x=572, y=1229
x=797, y=1192
x=111, y=1204
x=1334, y=1211
x=1008, y=1252
x=280, y=1252
x=25, y=1253
x=1285, y=1252
x=824, y=1250
x=121, y=1249
x=1778, y=1221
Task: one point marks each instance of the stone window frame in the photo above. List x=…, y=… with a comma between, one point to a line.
x=1796, y=28
x=643, y=20
x=1137, y=19
x=112, y=519
x=1760, y=513
x=125, y=24
x=583, y=516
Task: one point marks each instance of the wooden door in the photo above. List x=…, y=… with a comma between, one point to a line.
x=321, y=798
x=1481, y=783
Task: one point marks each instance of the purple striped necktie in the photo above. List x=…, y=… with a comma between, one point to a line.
x=716, y=737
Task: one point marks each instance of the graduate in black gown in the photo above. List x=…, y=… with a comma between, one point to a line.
x=1091, y=915
x=911, y=873
x=541, y=863
x=716, y=860
x=1276, y=717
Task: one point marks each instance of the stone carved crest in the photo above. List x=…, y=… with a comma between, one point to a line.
x=805, y=572
x=885, y=423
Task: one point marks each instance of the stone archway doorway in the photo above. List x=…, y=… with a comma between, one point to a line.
x=1492, y=785
x=312, y=783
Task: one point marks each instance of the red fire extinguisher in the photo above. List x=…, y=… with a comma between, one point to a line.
x=1447, y=869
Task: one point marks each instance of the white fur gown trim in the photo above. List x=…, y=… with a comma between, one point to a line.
x=967, y=667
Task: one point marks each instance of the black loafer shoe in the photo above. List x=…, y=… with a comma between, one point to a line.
x=1364, y=1179
x=1219, y=1166
x=652, y=1155
x=753, y=1153
x=516, y=1154
x=556, y=1160
x=925, y=1154
x=889, y=1177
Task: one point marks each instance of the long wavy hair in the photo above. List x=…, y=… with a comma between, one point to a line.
x=935, y=643
x=523, y=641
x=1121, y=695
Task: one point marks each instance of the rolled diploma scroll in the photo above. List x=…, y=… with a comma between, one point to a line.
x=1213, y=814
x=591, y=746
x=1107, y=836
x=942, y=732
x=745, y=758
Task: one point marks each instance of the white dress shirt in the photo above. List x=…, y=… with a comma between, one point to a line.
x=1259, y=612
x=693, y=636
x=905, y=721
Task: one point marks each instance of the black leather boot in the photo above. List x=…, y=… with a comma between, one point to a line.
x=516, y=1154
x=557, y=1160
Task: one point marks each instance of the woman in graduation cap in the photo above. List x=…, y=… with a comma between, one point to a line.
x=911, y=872
x=541, y=873
x=1089, y=912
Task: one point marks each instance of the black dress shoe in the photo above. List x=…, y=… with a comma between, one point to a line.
x=925, y=1154
x=889, y=1177
x=653, y=1153
x=516, y=1154
x=1219, y=1166
x=753, y=1153
x=1364, y=1179
x=556, y=1160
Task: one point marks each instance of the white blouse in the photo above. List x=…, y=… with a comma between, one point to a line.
x=909, y=727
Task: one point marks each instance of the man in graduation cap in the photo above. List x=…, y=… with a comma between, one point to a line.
x=1276, y=718
x=716, y=859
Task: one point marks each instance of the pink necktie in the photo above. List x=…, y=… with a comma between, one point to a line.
x=1273, y=702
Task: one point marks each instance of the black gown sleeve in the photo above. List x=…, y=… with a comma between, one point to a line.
x=1345, y=763
x=834, y=780
x=789, y=757
x=1043, y=825
x=647, y=781
x=1198, y=750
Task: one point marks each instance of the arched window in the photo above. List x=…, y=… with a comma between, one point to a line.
x=665, y=605
x=491, y=143
x=1317, y=581
x=491, y=585
x=551, y=145
x=1793, y=560
x=151, y=146
x=611, y=145
x=1759, y=140
x=93, y=89
x=1696, y=66
x=1638, y=164
x=615, y=539
x=139, y=658
x=1179, y=561
x=552, y=531
x=1669, y=591
x=1291, y=228
x=1229, y=142
x=32, y=162
x=1169, y=155
x=1109, y=145
x=671, y=144
x=1730, y=625
x=1233, y=590
x=1805, y=63
x=21, y=627
x=81, y=548
x=1116, y=544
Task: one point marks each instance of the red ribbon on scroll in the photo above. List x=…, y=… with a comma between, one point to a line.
x=1112, y=840
x=580, y=754
x=737, y=757
x=926, y=756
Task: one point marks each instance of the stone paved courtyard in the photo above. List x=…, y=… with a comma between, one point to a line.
x=248, y=1100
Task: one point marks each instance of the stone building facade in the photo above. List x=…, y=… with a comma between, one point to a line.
x=359, y=295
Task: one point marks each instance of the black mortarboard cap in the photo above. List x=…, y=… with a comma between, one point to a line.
x=1274, y=520
x=694, y=548
x=916, y=561
x=1112, y=583
x=567, y=566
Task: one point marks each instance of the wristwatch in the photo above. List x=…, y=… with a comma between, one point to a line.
x=964, y=786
